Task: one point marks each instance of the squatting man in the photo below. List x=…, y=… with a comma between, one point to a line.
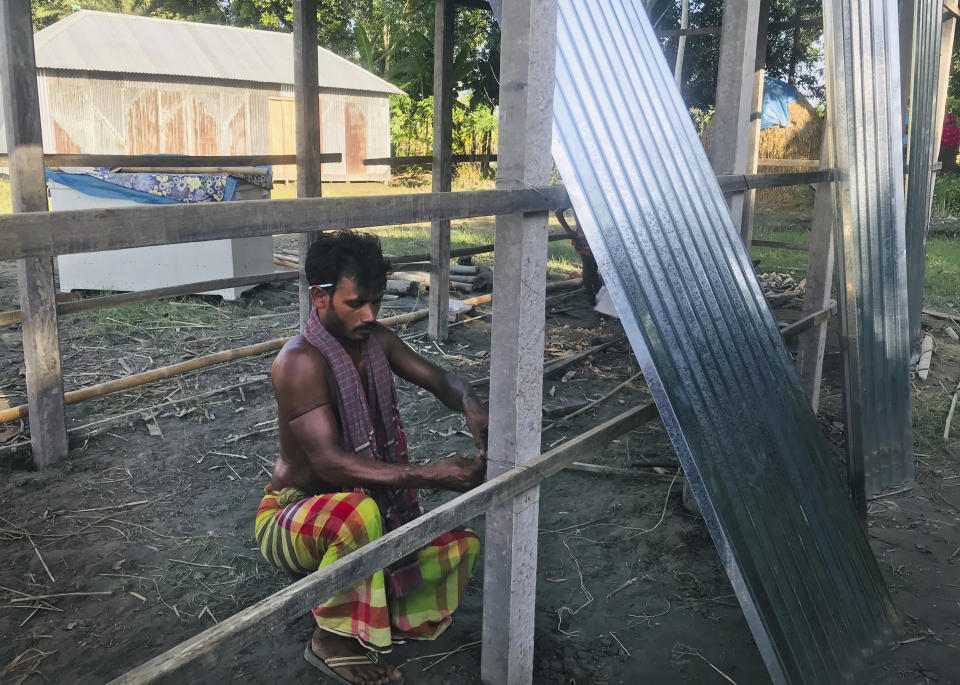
x=343, y=479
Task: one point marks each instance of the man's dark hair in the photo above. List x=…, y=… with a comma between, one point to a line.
x=347, y=254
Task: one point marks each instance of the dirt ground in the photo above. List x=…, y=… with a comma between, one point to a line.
x=145, y=531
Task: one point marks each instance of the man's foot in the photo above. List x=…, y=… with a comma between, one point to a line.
x=327, y=647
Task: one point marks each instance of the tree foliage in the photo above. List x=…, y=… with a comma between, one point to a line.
x=792, y=55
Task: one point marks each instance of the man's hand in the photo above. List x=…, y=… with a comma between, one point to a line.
x=460, y=473
x=478, y=421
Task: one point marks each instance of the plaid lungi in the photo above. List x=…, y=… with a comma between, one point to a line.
x=304, y=535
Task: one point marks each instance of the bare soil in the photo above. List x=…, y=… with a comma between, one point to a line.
x=150, y=522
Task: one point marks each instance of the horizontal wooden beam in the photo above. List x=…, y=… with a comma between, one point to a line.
x=951, y=7
x=799, y=163
x=734, y=183
x=809, y=321
x=777, y=245
x=172, y=161
x=320, y=585
x=426, y=160
x=38, y=234
x=140, y=296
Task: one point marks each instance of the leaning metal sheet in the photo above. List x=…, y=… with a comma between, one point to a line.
x=861, y=44
x=920, y=152
x=763, y=474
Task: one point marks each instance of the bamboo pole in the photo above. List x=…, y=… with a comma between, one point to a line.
x=137, y=379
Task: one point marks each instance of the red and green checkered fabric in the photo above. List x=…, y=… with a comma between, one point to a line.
x=303, y=535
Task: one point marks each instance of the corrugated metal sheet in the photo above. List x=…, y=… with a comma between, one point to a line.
x=920, y=151
x=709, y=347
x=129, y=44
x=861, y=41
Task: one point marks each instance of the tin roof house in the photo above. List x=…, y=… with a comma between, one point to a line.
x=123, y=84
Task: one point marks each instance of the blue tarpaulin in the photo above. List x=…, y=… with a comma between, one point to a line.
x=777, y=96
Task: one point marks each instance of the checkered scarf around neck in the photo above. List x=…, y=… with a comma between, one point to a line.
x=369, y=417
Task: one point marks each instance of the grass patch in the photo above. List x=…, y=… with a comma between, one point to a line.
x=180, y=315
x=6, y=202
x=942, y=289
x=415, y=239
x=929, y=416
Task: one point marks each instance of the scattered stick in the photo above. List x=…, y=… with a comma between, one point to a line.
x=682, y=650
x=926, y=355
x=34, y=598
x=461, y=648
x=613, y=471
x=227, y=464
x=624, y=585
x=194, y=563
x=953, y=406
x=594, y=403
x=114, y=506
x=206, y=610
x=40, y=557
x=617, y=640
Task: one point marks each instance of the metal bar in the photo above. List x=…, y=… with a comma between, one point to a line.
x=863, y=105
x=921, y=152
x=710, y=350
x=307, y=113
x=35, y=276
x=735, y=88
x=38, y=234
x=442, y=172
x=516, y=367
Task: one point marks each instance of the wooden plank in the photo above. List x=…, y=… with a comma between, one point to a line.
x=38, y=234
x=800, y=163
x=731, y=183
x=735, y=77
x=753, y=132
x=442, y=174
x=528, y=55
x=171, y=161
x=319, y=586
x=817, y=318
x=307, y=105
x=424, y=160
x=820, y=262
x=35, y=275
x=947, y=32
x=952, y=8
x=96, y=303
x=777, y=245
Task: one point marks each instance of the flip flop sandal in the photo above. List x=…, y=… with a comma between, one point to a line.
x=326, y=666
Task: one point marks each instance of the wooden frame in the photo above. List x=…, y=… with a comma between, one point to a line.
x=510, y=496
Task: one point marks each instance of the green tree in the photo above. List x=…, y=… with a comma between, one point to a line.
x=793, y=55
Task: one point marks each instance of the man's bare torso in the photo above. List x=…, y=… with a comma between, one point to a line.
x=293, y=467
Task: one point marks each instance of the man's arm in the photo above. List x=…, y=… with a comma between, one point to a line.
x=448, y=388
x=300, y=384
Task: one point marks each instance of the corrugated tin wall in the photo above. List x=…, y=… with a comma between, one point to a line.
x=100, y=113
x=862, y=51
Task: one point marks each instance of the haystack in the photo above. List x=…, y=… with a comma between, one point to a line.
x=798, y=140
